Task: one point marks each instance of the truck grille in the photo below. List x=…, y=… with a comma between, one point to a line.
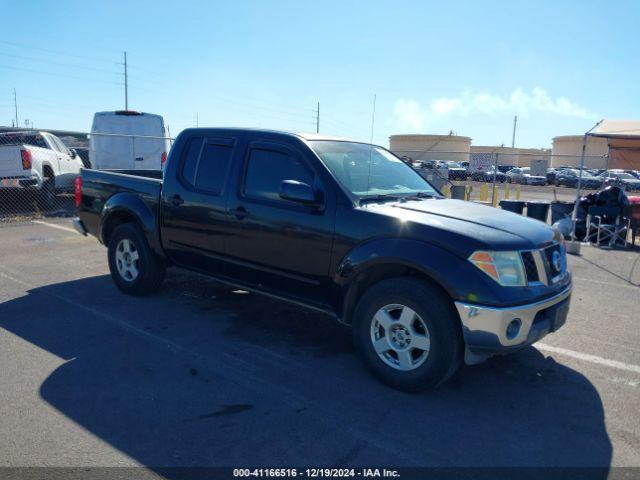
x=530, y=267
x=544, y=265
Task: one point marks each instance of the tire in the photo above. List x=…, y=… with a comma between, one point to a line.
x=435, y=320
x=47, y=194
x=509, y=180
x=140, y=272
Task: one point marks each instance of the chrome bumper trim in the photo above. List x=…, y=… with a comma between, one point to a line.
x=481, y=320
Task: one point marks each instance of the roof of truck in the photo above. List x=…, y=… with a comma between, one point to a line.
x=303, y=135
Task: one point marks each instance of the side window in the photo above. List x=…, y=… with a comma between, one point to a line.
x=60, y=144
x=266, y=169
x=190, y=160
x=213, y=166
x=54, y=145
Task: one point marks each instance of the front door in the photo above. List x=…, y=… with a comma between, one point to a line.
x=275, y=244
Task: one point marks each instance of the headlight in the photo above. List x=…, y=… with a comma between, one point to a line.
x=504, y=267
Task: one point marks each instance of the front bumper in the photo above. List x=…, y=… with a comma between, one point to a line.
x=487, y=330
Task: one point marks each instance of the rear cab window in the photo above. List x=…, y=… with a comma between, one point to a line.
x=205, y=164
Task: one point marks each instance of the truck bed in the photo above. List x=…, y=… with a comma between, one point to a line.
x=99, y=186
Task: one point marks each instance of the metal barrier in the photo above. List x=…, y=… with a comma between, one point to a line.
x=38, y=168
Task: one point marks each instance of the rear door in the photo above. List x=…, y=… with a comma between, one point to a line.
x=68, y=168
x=193, y=206
x=111, y=147
x=148, y=144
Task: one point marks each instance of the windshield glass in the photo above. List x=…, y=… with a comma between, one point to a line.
x=366, y=170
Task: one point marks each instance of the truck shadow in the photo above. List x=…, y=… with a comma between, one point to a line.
x=201, y=375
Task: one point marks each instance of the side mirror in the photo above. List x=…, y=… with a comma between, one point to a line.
x=73, y=152
x=299, y=192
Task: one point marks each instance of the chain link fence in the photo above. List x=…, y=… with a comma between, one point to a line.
x=492, y=176
x=38, y=168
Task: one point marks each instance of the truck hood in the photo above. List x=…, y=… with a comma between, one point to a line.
x=465, y=226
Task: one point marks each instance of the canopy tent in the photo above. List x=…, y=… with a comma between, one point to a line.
x=623, y=137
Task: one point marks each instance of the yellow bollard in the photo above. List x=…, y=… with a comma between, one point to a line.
x=446, y=191
x=484, y=193
x=506, y=191
x=518, y=192
x=494, y=196
x=467, y=192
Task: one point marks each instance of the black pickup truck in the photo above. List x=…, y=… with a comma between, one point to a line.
x=342, y=227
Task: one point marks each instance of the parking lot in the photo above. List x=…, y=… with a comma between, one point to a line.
x=201, y=375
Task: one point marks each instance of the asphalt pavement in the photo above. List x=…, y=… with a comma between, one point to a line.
x=201, y=374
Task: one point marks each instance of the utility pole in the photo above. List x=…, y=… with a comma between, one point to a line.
x=513, y=138
x=15, y=106
x=126, y=84
x=197, y=120
x=318, y=119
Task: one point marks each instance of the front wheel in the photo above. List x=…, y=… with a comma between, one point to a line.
x=135, y=269
x=408, y=334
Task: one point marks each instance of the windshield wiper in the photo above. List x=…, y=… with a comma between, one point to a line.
x=421, y=195
x=378, y=198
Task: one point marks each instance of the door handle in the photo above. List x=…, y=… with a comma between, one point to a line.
x=239, y=213
x=177, y=200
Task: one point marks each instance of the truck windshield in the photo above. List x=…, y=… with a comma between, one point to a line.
x=366, y=170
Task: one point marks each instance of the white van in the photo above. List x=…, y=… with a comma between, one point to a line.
x=129, y=150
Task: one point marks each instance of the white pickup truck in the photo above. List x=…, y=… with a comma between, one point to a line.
x=39, y=161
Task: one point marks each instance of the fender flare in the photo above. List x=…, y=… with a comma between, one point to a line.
x=131, y=205
x=430, y=260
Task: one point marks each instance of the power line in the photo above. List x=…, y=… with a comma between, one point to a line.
x=59, y=52
x=9, y=67
x=52, y=62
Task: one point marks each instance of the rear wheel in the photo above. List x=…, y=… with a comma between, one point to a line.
x=408, y=334
x=135, y=269
x=47, y=194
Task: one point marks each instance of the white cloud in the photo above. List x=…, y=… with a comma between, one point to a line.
x=410, y=114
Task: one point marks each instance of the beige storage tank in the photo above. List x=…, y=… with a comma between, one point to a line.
x=431, y=147
x=571, y=145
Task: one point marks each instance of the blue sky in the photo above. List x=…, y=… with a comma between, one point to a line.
x=433, y=66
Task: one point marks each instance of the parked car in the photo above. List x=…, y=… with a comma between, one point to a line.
x=37, y=161
x=529, y=179
x=456, y=171
x=570, y=177
x=128, y=140
x=514, y=175
x=341, y=227
x=551, y=175
x=488, y=176
x=505, y=168
x=523, y=176
x=621, y=179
